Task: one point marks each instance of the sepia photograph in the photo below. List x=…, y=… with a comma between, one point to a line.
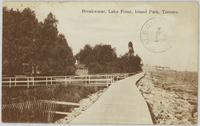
x=100, y=62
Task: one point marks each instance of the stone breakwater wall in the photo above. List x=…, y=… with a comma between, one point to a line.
x=166, y=106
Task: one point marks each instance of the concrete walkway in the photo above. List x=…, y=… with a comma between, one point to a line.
x=122, y=103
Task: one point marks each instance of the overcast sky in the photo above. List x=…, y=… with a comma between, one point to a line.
x=118, y=29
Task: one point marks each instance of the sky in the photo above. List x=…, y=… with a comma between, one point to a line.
x=118, y=29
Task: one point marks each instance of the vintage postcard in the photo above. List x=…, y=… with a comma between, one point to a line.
x=100, y=62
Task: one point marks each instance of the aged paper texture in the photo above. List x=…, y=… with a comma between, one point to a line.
x=100, y=62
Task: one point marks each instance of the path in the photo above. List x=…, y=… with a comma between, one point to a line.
x=122, y=103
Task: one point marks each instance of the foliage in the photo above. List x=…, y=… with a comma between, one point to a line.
x=38, y=44
x=98, y=59
x=103, y=59
x=130, y=63
x=44, y=49
x=29, y=109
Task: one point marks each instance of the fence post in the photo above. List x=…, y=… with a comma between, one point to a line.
x=88, y=80
x=112, y=79
x=51, y=80
x=15, y=82
x=10, y=83
x=27, y=82
x=96, y=83
x=69, y=82
x=107, y=80
x=33, y=79
x=65, y=80
x=46, y=82
x=49, y=117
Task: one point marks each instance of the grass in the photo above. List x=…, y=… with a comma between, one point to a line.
x=22, y=103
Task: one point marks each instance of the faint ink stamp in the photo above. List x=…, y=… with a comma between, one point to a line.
x=155, y=34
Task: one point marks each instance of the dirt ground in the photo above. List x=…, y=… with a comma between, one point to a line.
x=171, y=96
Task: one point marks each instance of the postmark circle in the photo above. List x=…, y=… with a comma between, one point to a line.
x=155, y=34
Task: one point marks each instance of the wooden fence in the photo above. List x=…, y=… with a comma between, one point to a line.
x=45, y=109
x=85, y=80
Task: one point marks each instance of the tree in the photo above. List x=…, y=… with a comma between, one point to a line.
x=61, y=57
x=25, y=40
x=18, y=39
x=98, y=59
x=104, y=54
x=28, y=25
x=54, y=50
x=86, y=56
x=103, y=59
x=129, y=62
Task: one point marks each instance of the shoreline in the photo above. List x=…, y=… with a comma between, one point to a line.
x=165, y=105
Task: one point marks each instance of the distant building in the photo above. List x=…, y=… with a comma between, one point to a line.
x=153, y=68
x=162, y=68
x=81, y=69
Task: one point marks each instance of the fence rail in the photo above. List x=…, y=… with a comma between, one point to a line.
x=85, y=80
